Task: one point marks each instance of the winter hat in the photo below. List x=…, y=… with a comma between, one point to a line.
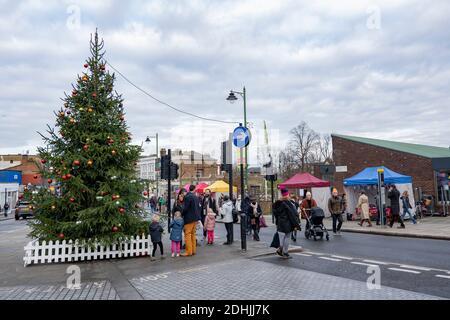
x=284, y=192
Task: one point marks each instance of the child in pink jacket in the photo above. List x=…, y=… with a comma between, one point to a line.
x=210, y=223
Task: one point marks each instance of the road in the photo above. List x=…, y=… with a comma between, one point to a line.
x=409, y=269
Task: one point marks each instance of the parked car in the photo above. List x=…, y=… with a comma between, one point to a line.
x=24, y=209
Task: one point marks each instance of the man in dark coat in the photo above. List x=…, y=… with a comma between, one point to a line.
x=287, y=220
x=245, y=209
x=394, y=196
x=191, y=216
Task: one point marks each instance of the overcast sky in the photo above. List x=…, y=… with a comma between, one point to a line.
x=377, y=69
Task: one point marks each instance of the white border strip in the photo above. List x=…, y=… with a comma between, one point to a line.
x=331, y=259
x=404, y=270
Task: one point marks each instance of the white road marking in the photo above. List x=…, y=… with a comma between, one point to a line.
x=364, y=264
x=376, y=262
x=302, y=254
x=341, y=257
x=414, y=267
x=442, y=276
x=315, y=253
x=331, y=259
x=404, y=270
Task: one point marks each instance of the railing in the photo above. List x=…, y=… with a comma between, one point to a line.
x=70, y=251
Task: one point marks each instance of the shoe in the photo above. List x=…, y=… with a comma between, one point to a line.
x=401, y=227
x=226, y=243
x=279, y=252
x=360, y=224
x=173, y=255
x=287, y=256
x=178, y=254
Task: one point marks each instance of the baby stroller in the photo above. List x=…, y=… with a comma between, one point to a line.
x=314, y=224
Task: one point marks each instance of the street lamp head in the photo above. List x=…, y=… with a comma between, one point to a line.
x=148, y=139
x=231, y=97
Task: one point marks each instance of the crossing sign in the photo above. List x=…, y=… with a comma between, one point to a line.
x=241, y=137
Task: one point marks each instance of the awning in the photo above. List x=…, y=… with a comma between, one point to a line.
x=303, y=180
x=220, y=186
x=369, y=176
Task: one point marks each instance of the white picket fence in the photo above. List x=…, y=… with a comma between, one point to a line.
x=61, y=251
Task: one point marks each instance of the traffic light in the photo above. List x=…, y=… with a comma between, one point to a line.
x=165, y=167
x=173, y=171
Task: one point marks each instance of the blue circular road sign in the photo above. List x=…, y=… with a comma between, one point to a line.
x=241, y=137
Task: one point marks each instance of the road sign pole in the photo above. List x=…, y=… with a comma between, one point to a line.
x=169, y=153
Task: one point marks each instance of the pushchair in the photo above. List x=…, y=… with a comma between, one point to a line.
x=314, y=224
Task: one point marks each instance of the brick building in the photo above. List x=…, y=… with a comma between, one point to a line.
x=422, y=162
x=27, y=164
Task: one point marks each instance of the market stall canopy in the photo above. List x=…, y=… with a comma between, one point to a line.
x=220, y=186
x=369, y=176
x=200, y=188
x=302, y=181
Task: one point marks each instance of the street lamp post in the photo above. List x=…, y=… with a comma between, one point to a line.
x=156, y=160
x=232, y=98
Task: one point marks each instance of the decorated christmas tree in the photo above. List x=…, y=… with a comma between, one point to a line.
x=89, y=164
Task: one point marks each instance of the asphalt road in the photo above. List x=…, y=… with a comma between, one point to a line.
x=419, y=265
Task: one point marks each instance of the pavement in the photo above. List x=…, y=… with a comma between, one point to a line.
x=426, y=228
x=336, y=269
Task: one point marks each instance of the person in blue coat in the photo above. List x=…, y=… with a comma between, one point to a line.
x=176, y=233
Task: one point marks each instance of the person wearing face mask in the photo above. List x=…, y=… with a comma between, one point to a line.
x=306, y=206
x=335, y=208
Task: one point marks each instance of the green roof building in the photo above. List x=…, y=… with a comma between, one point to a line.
x=428, y=165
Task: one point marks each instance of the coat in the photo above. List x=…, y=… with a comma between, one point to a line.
x=209, y=202
x=363, y=204
x=394, y=196
x=176, y=229
x=406, y=203
x=210, y=221
x=227, y=211
x=286, y=216
x=156, y=231
x=191, y=208
x=335, y=205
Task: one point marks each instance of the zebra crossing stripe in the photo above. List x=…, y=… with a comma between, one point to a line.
x=331, y=259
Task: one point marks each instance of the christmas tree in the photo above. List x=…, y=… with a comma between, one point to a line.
x=89, y=164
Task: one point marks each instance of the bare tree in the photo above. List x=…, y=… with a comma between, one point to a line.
x=325, y=148
x=306, y=147
x=304, y=141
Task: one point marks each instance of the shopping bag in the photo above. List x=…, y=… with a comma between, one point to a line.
x=275, y=241
x=262, y=222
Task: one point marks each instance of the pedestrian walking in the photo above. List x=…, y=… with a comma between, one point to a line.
x=296, y=203
x=306, y=206
x=255, y=212
x=156, y=231
x=363, y=205
x=335, y=208
x=286, y=220
x=6, y=208
x=176, y=233
x=407, y=208
x=191, y=215
x=227, y=213
x=394, y=197
x=210, y=224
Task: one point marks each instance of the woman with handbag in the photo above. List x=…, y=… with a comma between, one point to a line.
x=287, y=220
